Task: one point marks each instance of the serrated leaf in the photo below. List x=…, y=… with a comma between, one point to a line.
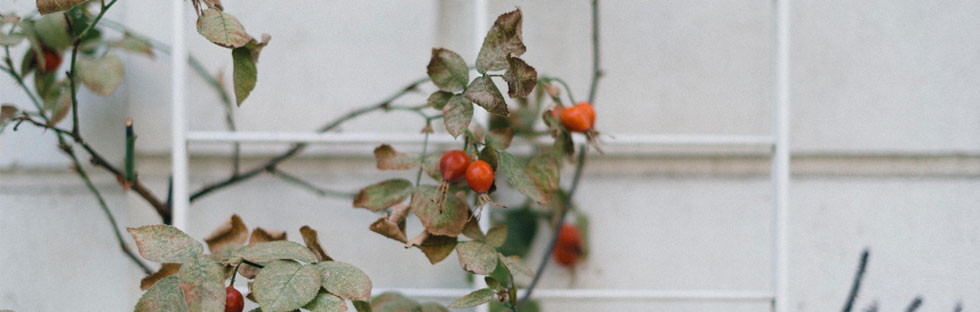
x=164, y=296
x=345, y=280
x=517, y=177
x=101, y=75
x=432, y=307
x=521, y=78
x=496, y=236
x=439, y=99
x=222, y=28
x=203, y=285
x=227, y=238
x=380, y=196
x=51, y=6
x=515, y=266
x=285, y=286
x=435, y=247
x=389, y=159
x=473, y=299
x=133, y=43
x=477, y=257
x=448, y=70
x=165, y=244
x=167, y=269
x=457, y=114
x=543, y=170
x=393, y=302
x=276, y=250
x=312, y=241
x=504, y=39
x=326, y=302
x=483, y=92
x=11, y=39
x=439, y=217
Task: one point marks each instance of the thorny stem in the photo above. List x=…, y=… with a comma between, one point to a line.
x=579, y=164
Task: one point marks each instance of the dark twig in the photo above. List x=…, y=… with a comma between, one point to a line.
x=856, y=285
x=596, y=72
x=915, y=304
x=309, y=186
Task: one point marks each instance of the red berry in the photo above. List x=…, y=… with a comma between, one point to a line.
x=589, y=111
x=453, y=165
x=234, y=302
x=479, y=175
x=568, y=246
x=52, y=60
x=578, y=118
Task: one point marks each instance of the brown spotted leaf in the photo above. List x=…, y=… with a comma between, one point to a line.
x=500, y=138
x=543, y=170
x=260, y=235
x=345, y=280
x=483, y=92
x=312, y=241
x=389, y=229
x=477, y=257
x=326, y=302
x=203, y=282
x=515, y=266
x=7, y=111
x=435, y=247
x=285, y=286
x=473, y=299
x=276, y=250
x=380, y=196
x=51, y=6
x=517, y=176
x=496, y=236
x=227, y=238
x=448, y=217
x=389, y=159
x=432, y=307
x=222, y=28
x=521, y=78
x=473, y=231
x=167, y=269
x=164, y=296
x=438, y=99
x=448, y=70
x=504, y=39
x=393, y=302
x=457, y=114
x=165, y=244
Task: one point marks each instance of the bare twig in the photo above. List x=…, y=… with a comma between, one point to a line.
x=915, y=304
x=309, y=186
x=856, y=286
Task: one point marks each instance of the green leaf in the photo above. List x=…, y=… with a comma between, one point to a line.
x=53, y=32
x=515, y=266
x=496, y=236
x=101, y=75
x=164, y=296
x=543, y=170
x=58, y=106
x=222, y=28
x=389, y=159
x=446, y=218
x=285, y=286
x=276, y=250
x=345, y=280
x=245, y=73
x=521, y=78
x=492, y=283
x=527, y=306
x=203, y=282
x=477, y=257
x=165, y=244
x=473, y=299
x=393, y=302
x=433, y=307
x=483, y=92
x=448, y=70
x=457, y=114
x=517, y=176
x=380, y=196
x=522, y=226
x=326, y=302
x=51, y=6
x=439, y=99
x=11, y=39
x=133, y=43
x=504, y=39
x=362, y=306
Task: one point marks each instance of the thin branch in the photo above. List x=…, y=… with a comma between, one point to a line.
x=856, y=286
x=425, y=147
x=915, y=304
x=309, y=186
x=578, y=166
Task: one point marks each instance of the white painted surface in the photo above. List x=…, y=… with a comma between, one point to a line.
x=889, y=77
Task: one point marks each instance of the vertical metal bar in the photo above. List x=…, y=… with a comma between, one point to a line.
x=781, y=156
x=178, y=152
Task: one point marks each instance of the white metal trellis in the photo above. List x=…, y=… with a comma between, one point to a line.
x=778, y=142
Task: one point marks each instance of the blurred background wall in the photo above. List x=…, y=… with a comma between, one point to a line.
x=885, y=142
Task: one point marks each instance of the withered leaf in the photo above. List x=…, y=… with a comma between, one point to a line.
x=228, y=237
x=222, y=28
x=472, y=230
x=440, y=217
x=435, y=247
x=203, y=285
x=438, y=99
x=164, y=296
x=477, y=257
x=380, y=196
x=52, y=6
x=521, y=78
x=388, y=158
x=345, y=280
x=496, y=236
x=101, y=75
x=393, y=302
x=260, y=235
x=167, y=269
x=276, y=250
x=165, y=244
x=448, y=70
x=312, y=241
x=484, y=92
x=504, y=39
x=457, y=114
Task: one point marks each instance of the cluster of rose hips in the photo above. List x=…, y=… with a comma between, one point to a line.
x=455, y=164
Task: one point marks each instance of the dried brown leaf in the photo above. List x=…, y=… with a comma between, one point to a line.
x=167, y=269
x=260, y=235
x=312, y=241
x=389, y=159
x=228, y=237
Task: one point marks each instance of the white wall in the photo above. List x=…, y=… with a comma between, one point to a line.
x=886, y=136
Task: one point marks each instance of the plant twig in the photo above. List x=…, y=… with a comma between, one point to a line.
x=914, y=305
x=425, y=147
x=856, y=286
x=578, y=166
x=309, y=186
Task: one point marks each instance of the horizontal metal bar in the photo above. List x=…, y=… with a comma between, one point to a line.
x=638, y=140
x=598, y=294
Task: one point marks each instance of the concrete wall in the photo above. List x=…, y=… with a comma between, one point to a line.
x=885, y=136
